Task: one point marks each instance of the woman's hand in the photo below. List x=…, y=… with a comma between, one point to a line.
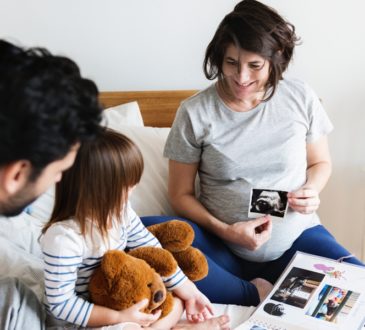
x=250, y=234
x=197, y=305
x=304, y=200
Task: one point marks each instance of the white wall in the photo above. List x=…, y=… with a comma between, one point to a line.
x=159, y=44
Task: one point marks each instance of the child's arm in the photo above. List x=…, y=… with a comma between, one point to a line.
x=198, y=306
x=63, y=249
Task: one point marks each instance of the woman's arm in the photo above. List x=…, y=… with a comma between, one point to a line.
x=319, y=164
x=250, y=234
x=181, y=191
x=306, y=199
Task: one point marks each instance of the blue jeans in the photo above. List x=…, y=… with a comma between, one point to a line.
x=229, y=275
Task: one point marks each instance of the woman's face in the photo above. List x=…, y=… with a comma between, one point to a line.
x=245, y=73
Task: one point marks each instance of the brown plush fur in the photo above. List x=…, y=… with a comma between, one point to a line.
x=123, y=280
x=174, y=235
x=126, y=278
x=177, y=237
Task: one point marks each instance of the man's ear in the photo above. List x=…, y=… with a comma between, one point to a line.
x=14, y=176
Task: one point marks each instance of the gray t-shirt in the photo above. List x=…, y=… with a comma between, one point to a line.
x=263, y=148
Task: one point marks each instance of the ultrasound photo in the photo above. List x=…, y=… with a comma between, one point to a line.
x=266, y=201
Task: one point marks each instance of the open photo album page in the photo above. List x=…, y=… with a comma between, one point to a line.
x=313, y=293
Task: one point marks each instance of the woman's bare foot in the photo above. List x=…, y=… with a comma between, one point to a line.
x=263, y=287
x=215, y=323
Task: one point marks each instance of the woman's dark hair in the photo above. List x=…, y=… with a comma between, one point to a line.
x=46, y=107
x=96, y=186
x=256, y=28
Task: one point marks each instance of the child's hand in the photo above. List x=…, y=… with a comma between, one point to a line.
x=134, y=314
x=198, y=307
x=101, y=316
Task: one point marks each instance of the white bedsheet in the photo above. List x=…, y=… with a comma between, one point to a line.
x=20, y=254
x=20, y=257
x=237, y=315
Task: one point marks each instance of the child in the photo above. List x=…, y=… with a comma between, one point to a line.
x=92, y=215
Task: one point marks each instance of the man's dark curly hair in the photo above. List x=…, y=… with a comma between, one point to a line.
x=45, y=106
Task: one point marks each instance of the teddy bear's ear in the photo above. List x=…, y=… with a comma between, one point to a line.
x=159, y=259
x=112, y=262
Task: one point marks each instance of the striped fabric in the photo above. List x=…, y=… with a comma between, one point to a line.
x=70, y=259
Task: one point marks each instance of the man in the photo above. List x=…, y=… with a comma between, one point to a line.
x=46, y=111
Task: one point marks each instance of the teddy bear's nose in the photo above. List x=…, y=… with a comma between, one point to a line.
x=158, y=296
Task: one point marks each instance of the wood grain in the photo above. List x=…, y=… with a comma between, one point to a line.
x=158, y=108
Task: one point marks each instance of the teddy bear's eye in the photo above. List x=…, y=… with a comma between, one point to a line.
x=149, y=285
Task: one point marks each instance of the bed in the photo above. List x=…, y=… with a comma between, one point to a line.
x=145, y=117
x=158, y=108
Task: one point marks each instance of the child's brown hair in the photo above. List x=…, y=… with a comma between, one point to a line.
x=96, y=186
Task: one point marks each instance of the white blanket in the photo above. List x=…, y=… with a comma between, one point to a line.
x=237, y=315
x=20, y=257
x=20, y=254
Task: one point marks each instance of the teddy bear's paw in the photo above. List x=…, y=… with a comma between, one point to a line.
x=159, y=259
x=174, y=235
x=193, y=263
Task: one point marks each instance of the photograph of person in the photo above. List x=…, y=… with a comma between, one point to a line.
x=333, y=304
x=298, y=287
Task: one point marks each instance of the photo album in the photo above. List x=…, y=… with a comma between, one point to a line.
x=313, y=293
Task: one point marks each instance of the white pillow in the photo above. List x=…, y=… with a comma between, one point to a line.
x=150, y=195
x=123, y=114
x=114, y=117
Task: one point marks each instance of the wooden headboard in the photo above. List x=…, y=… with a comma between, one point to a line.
x=158, y=108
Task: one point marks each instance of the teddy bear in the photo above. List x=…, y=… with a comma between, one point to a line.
x=125, y=278
x=177, y=236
